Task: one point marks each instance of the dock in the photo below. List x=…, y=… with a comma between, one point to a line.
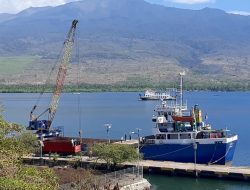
x=196, y=170
x=191, y=169
x=160, y=167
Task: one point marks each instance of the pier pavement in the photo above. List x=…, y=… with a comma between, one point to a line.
x=160, y=167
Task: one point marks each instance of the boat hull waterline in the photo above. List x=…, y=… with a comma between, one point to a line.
x=206, y=153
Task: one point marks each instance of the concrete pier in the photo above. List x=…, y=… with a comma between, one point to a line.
x=198, y=170
x=161, y=167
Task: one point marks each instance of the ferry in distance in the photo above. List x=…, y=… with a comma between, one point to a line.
x=158, y=95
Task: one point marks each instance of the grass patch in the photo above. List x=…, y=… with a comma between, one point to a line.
x=15, y=65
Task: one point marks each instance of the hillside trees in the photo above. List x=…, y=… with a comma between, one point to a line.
x=114, y=154
x=14, y=144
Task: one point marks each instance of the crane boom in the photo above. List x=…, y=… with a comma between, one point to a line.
x=67, y=51
x=36, y=124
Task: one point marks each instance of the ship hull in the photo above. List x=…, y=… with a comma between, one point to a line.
x=149, y=98
x=155, y=98
x=217, y=153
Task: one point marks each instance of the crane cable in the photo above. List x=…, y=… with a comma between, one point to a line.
x=78, y=85
x=46, y=84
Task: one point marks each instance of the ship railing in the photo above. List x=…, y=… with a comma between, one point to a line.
x=230, y=135
x=170, y=107
x=166, y=90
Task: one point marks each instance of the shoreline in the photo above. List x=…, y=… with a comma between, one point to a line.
x=110, y=88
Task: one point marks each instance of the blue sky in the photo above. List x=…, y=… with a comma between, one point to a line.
x=226, y=5
x=240, y=6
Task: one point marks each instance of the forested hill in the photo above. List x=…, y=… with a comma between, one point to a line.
x=135, y=38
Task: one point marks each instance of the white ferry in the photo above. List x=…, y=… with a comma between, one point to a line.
x=158, y=95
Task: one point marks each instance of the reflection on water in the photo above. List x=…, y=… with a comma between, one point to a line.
x=160, y=182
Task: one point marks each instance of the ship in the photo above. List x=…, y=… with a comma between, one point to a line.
x=181, y=135
x=158, y=94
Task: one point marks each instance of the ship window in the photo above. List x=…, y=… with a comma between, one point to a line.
x=172, y=136
x=185, y=136
x=161, y=136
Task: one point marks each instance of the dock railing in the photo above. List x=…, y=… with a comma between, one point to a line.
x=123, y=177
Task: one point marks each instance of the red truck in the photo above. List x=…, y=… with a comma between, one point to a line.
x=61, y=145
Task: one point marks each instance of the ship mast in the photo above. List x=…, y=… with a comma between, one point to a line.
x=181, y=89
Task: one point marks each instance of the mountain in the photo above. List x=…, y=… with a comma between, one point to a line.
x=159, y=2
x=205, y=42
x=5, y=17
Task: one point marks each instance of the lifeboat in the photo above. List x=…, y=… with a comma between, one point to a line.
x=183, y=118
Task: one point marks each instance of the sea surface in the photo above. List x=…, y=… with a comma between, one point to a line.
x=89, y=112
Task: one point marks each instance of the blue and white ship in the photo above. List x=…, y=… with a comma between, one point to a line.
x=180, y=135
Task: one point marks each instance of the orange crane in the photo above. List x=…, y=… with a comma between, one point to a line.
x=43, y=126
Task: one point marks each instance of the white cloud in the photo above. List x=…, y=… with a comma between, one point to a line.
x=14, y=6
x=244, y=13
x=193, y=1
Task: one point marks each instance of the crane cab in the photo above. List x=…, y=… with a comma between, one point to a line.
x=39, y=125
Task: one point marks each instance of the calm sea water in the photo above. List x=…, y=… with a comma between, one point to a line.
x=90, y=111
x=184, y=183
